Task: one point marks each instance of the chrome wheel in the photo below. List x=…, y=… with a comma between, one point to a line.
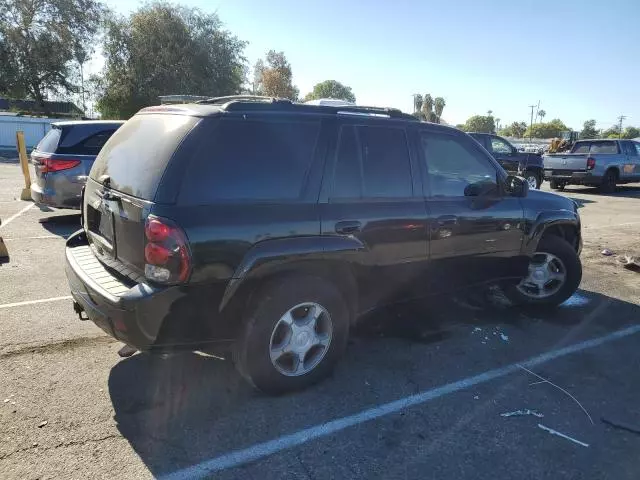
x=532, y=180
x=546, y=276
x=300, y=339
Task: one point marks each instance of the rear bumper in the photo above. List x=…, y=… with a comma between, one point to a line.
x=575, y=178
x=141, y=315
x=66, y=196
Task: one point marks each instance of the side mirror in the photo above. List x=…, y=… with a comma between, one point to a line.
x=516, y=186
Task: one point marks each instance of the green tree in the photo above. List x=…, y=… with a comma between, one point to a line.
x=631, y=132
x=481, y=124
x=164, y=49
x=417, y=103
x=40, y=44
x=274, y=77
x=516, y=129
x=427, y=108
x=589, y=129
x=541, y=114
x=331, y=89
x=460, y=126
x=439, y=105
x=551, y=129
x=612, y=132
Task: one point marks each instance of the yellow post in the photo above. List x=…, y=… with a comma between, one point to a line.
x=24, y=164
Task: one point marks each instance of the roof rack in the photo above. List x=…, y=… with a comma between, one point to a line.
x=257, y=102
x=243, y=98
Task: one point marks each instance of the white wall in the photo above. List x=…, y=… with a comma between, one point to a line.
x=34, y=129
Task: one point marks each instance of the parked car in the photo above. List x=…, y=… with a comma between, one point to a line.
x=526, y=164
x=267, y=227
x=603, y=163
x=63, y=159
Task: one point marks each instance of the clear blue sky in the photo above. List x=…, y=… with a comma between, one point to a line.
x=580, y=59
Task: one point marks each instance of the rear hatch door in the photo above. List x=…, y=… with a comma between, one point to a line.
x=123, y=186
x=565, y=162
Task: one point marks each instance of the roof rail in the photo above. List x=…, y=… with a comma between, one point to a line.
x=242, y=98
x=383, y=111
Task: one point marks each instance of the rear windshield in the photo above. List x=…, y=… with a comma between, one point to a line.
x=136, y=156
x=49, y=142
x=596, y=147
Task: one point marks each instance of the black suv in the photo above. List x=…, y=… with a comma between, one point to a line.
x=527, y=165
x=268, y=227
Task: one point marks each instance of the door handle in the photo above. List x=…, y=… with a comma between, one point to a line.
x=348, y=227
x=447, y=220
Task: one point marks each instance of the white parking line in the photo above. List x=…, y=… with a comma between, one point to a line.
x=261, y=450
x=38, y=237
x=597, y=227
x=13, y=217
x=32, y=302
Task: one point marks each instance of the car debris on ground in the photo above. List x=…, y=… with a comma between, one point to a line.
x=559, y=434
x=520, y=413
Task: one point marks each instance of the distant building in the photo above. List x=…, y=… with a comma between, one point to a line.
x=31, y=107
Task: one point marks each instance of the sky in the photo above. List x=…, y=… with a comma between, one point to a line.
x=578, y=58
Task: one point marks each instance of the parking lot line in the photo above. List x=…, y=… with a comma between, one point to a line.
x=38, y=237
x=16, y=215
x=261, y=450
x=32, y=302
x=598, y=227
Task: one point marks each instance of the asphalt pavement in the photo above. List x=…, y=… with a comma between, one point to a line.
x=426, y=390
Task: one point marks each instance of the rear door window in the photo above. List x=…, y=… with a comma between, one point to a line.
x=372, y=162
x=49, y=142
x=257, y=159
x=136, y=156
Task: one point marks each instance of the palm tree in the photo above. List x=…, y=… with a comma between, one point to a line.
x=489, y=112
x=417, y=102
x=439, y=105
x=541, y=114
x=497, y=124
x=427, y=108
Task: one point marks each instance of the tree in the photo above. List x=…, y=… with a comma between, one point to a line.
x=589, y=129
x=164, y=49
x=439, y=105
x=631, y=132
x=516, y=129
x=612, y=132
x=40, y=43
x=427, y=108
x=551, y=129
x=460, y=126
x=331, y=89
x=541, y=114
x=274, y=77
x=481, y=124
x=417, y=103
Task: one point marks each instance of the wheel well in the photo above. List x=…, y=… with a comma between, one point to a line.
x=338, y=273
x=614, y=170
x=567, y=232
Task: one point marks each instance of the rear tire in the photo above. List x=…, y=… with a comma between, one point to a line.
x=556, y=185
x=609, y=181
x=566, y=254
x=533, y=178
x=263, y=323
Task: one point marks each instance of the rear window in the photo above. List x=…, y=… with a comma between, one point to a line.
x=89, y=144
x=252, y=160
x=49, y=142
x=136, y=156
x=596, y=147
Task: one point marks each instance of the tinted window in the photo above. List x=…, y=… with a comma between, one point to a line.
x=581, y=147
x=630, y=149
x=88, y=146
x=454, y=164
x=500, y=146
x=137, y=154
x=49, y=142
x=637, y=145
x=252, y=160
x=372, y=162
x=604, y=147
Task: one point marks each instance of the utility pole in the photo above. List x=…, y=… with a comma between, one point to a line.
x=531, y=122
x=620, y=119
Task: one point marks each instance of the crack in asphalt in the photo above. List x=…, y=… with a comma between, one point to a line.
x=56, y=347
x=61, y=445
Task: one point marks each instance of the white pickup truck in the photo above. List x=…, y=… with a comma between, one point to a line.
x=604, y=163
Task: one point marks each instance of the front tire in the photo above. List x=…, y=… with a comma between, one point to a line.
x=554, y=275
x=557, y=185
x=295, y=330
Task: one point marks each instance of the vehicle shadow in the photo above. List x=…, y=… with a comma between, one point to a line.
x=626, y=191
x=62, y=225
x=179, y=411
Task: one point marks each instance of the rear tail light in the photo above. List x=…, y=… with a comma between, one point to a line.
x=57, y=164
x=166, y=252
x=591, y=163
